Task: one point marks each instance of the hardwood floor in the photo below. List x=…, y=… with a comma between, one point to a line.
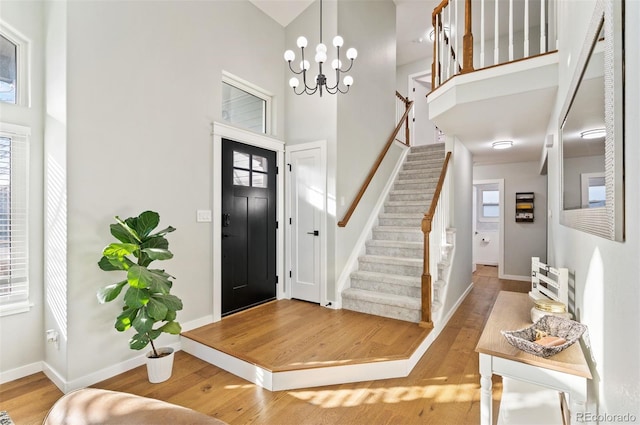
x=443, y=388
x=306, y=336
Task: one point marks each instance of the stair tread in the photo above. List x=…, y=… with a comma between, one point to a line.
x=401, y=215
x=383, y=298
x=397, y=229
x=389, y=259
x=386, y=277
x=395, y=244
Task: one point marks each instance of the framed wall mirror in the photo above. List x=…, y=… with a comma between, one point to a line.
x=592, y=130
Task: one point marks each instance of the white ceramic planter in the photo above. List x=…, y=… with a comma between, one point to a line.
x=159, y=369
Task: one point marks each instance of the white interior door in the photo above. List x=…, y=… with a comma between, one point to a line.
x=307, y=236
x=423, y=129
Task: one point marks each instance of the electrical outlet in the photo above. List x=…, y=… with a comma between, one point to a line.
x=203, y=216
x=53, y=337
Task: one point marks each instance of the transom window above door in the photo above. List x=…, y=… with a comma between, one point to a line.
x=249, y=170
x=245, y=105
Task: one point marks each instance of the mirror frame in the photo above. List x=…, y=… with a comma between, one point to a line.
x=608, y=221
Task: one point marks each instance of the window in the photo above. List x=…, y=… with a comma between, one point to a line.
x=13, y=66
x=8, y=70
x=14, y=265
x=245, y=105
x=490, y=204
x=594, y=192
x=249, y=170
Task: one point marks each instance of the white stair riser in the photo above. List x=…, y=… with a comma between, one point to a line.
x=393, y=312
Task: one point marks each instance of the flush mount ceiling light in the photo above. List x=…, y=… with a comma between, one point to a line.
x=595, y=133
x=321, y=58
x=502, y=144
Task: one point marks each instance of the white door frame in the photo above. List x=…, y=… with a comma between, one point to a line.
x=322, y=145
x=500, y=183
x=411, y=96
x=225, y=131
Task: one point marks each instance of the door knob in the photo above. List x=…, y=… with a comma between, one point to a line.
x=314, y=233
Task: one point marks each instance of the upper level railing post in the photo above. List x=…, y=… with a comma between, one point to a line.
x=467, y=40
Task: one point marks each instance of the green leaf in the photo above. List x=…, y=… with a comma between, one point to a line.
x=136, y=297
x=108, y=265
x=153, y=334
x=124, y=320
x=143, y=323
x=144, y=223
x=139, y=341
x=128, y=228
x=158, y=254
x=172, y=328
x=139, y=277
x=163, y=232
x=122, y=233
x=119, y=250
x=109, y=293
x=171, y=316
x=155, y=242
x=161, y=283
x=171, y=301
x=157, y=309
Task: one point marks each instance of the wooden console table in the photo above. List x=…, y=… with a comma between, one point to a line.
x=566, y=372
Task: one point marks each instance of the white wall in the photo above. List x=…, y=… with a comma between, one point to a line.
x=521, y=240
x=143, y=86
x=460, y=207
x=606, y=272
x=25, y=330
x=366, y=116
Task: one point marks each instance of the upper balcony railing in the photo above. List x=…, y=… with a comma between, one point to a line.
x=499, y=31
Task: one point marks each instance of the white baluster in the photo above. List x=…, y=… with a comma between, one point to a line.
x=510, y=30
x=481, y=34
x=496, y=36
x=543, y=28
x=526, y=28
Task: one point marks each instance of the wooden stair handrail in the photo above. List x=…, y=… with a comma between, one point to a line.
x=376, y=165
x=425, y=320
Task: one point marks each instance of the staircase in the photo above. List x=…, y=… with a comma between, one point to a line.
x=388, y=280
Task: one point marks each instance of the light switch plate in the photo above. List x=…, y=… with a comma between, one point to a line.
x=203, y=216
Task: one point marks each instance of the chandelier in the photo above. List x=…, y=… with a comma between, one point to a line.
x=321, y=58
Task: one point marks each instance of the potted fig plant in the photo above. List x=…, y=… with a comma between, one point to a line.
x=148, y=305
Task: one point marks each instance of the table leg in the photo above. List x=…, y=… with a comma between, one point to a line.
x=486, y=392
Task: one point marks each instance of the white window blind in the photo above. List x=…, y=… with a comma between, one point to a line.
x=14, y=250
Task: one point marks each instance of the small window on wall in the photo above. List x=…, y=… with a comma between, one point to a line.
x=245, y=105
x=490, y=205
x=249, y=170
x=8, y=70
x=13, y=66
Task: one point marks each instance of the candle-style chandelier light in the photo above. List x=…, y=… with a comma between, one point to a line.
x=320, y=58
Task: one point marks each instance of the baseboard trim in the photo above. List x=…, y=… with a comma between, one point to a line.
x=197, y=323
x=20, y=372
x=515, y=277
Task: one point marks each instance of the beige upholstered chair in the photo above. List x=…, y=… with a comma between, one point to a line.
x=91, y=406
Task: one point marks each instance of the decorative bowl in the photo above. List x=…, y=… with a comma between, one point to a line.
x=524, y=339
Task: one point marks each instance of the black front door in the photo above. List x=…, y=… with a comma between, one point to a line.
x=248, y=226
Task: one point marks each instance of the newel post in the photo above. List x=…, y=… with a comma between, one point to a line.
x=467, y=40
x=425, y=320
